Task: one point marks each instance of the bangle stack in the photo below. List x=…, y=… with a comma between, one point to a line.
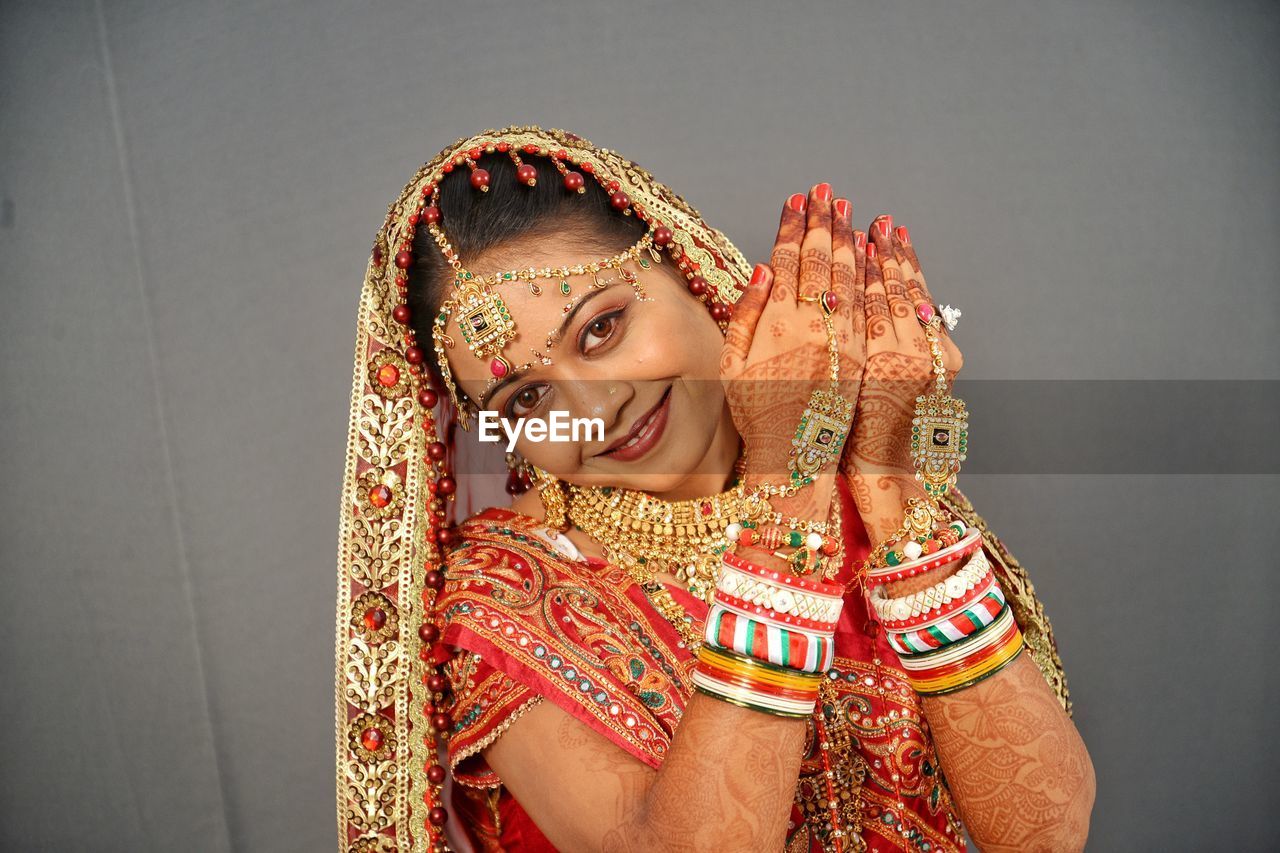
x=954, y=633
x=769, y=637
x=961, y=630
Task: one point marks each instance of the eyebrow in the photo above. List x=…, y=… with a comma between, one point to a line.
x=556, y=336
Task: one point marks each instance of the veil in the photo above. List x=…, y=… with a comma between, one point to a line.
x=407, y=480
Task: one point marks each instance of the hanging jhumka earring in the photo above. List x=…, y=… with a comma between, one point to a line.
x=519, y=475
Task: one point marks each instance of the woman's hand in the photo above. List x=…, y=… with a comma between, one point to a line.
x=899, y=368
x=776, y=350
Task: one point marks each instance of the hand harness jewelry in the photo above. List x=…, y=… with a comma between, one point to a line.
x=827, y=418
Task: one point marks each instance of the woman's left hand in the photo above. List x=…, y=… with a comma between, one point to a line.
x=899, y=368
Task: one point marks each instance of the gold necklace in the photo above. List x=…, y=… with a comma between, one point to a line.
x=646, y=535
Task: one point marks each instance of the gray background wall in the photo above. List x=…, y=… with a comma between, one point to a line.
x=187, y=195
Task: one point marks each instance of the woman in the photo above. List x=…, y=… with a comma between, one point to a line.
x=752, y=612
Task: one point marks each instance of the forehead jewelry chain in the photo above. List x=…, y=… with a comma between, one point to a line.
x=543, y=357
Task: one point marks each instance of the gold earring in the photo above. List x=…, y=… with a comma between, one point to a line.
x=554, y=501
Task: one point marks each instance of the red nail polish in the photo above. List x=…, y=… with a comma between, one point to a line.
x=843, y=209
x=822, y=192
x=871, y=250
x=860, y=240
x=798, y=202
x=884, y=225
x=758, y=275
x=901, y=231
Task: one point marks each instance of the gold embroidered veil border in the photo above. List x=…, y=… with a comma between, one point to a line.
x=387, y=529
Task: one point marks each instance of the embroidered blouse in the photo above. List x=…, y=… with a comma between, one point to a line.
x=532, y=621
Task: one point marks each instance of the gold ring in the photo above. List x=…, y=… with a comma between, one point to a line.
x=827, y=299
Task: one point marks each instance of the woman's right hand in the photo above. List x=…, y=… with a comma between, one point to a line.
x=775, y=352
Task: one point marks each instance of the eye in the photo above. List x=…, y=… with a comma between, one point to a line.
x=525, y=400
x=600, y=330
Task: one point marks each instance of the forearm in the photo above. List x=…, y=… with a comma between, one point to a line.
x=727, y=783
x=1016, y=766
x=729, y=780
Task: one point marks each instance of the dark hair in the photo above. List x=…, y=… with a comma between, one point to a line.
x=478, y=222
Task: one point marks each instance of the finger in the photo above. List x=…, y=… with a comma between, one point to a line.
x=815, y=251
x=906, y=327
x=746, y=316
x=860, y=284
x=918, y=291
x=844, y=274
x=880, y=334
x=785, y=260
x=878, y=233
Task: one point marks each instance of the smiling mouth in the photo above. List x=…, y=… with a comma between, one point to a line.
x=644, y=433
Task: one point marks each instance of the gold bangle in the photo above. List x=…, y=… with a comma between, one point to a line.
x=975, y=680
x=761, y=671
x=949, y=682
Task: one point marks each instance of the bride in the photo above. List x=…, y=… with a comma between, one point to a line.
x=754, y=614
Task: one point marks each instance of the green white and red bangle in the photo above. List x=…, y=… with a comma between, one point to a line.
x=952, y=629
x=797, y=648
x=958, y=651
x=971, y=542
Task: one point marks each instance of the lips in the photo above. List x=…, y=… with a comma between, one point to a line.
x=644, y=433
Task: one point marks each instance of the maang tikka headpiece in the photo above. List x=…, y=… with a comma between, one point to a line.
x=399, y=480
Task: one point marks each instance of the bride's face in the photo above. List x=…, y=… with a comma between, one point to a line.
x=649, y=370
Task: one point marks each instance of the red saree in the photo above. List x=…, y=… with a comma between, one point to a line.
x=533, y=625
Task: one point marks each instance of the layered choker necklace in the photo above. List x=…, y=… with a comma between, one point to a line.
x=646, y=535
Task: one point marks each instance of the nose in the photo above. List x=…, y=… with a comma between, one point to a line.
x=594, y=397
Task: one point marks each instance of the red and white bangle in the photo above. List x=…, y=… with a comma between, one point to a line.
x=773, y=617
x=929, y=602
x=951, y=608
x=789, y=597
x=826, y=589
